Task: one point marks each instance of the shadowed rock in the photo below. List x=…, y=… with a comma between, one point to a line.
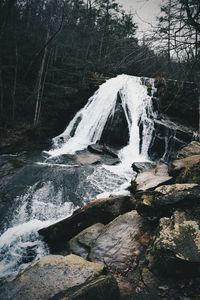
x=176, y=249
x=191, y=149
x=165, y=199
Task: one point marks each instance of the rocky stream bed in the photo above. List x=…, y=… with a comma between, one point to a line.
x=145, y=245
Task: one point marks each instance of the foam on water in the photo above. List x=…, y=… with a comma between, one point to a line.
x=87, y=126
x=42, y=205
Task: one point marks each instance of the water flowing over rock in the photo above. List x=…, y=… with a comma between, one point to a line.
x=123, y=99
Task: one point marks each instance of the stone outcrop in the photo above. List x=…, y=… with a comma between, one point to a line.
x=176, y=249
x=191, y=149
x=59, y=277
x=96, y=211
x=166, y=199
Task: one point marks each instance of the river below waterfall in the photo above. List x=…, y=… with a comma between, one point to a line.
x=40, y=194
x=50, y=185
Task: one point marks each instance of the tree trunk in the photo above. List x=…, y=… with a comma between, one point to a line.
x=39, y=86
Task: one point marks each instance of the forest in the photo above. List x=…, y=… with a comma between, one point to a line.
x=99, y=150
x=50, y=48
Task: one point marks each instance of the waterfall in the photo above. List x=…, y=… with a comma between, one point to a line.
x=87, y=126
x=51, y=190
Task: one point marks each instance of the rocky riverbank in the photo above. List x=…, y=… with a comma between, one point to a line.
x=142, y=246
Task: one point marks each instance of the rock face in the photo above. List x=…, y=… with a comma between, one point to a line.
x=151, y=178
x=116, y=132
x=53, y=275
x=167, y=138
x=191, y=149
x=96, y=211
x=165, y=199
x=177, y=246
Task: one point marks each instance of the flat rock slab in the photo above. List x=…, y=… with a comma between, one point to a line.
x=151, y=178
x=96, y=211
x=53, y=275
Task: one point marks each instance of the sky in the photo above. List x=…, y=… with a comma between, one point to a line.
x=145, y=11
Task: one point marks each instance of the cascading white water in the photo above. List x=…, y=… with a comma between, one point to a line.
x=53, y=187
x=87, y=126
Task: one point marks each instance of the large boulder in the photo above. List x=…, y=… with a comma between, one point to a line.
x=165, y=199
x=176, y=249
x=118, y=245
x=59, y=277
x=96, y=211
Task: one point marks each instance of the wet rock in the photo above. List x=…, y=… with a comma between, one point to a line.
x=151, y=178
x=116, y=131
x=191, y=149
x=96, y=211
x=119, y=247
x=138, y=167
x=101, y=148
x=58, y=274
x=82, y=243
x=88, y=159
x=167, y=138
x=165, y=199
x=176, y=249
